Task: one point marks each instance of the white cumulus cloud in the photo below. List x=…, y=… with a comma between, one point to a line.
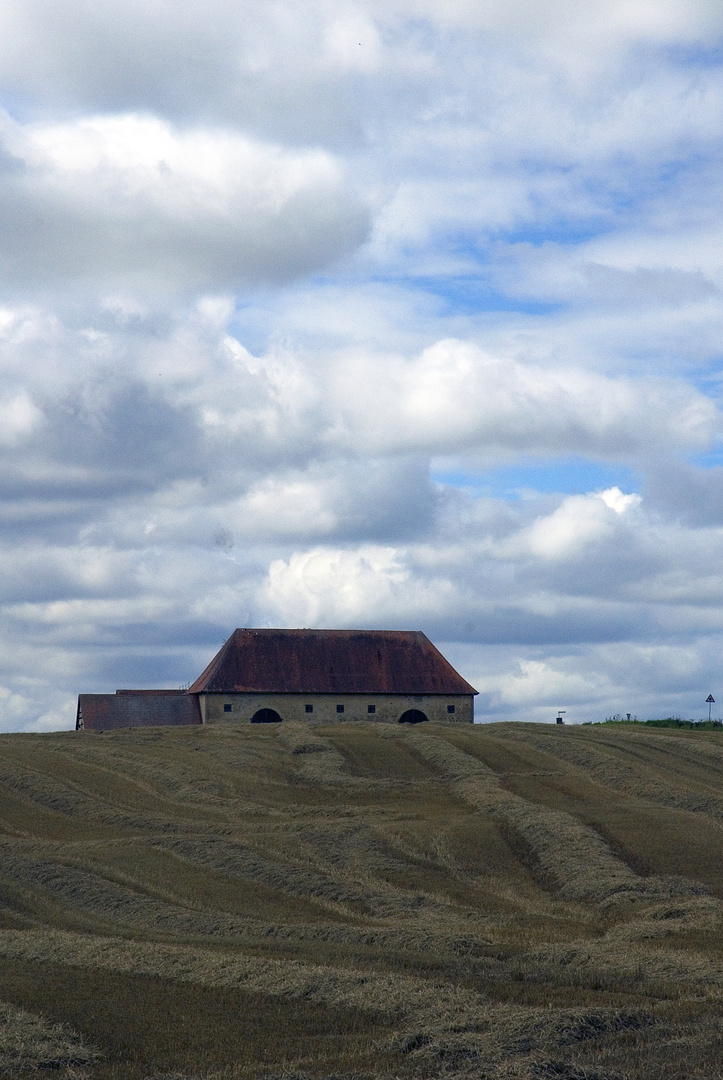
x=130, y=198
x=455, y=396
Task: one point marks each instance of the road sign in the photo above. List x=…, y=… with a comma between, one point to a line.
x=710, y=700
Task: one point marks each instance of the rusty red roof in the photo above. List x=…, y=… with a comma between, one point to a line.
x=330, y=662
x=136, y=708
x=154, y=693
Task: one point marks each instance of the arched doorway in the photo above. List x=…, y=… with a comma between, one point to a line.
x=412, y=716
x=266, y=716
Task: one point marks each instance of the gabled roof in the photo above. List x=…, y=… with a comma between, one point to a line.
x=136, y=708
x=329, y=662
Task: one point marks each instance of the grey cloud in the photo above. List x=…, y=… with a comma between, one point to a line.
x=273, y=71
x=642, y=286
x=684, y=492
x=514, y=624
x=124, y=430
x=371, y=499
x=103, y=57
x=100, y=443
x=605, y=568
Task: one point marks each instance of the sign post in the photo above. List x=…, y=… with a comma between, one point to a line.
x=710, y=701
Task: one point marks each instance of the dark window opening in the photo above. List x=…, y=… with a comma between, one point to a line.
x=371, y=708
x=309, y=708
x=227, y=708
x=412, y=716
x=340, y=708
x=450, y=708
x=266, y=716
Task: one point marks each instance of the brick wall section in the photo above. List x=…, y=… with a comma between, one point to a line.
x=136, y=708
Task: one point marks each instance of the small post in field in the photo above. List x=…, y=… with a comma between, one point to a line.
x=710, y=701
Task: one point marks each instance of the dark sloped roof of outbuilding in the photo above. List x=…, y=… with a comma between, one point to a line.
x=137, y=708
x=330, y=662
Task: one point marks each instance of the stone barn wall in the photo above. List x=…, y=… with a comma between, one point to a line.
x=239, y=708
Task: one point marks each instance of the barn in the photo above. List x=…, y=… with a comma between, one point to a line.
x=268, y=676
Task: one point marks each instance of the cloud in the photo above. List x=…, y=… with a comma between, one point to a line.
x=454, y=397
x=131, y=201
x=19, y=416
x=390, y=497
x=597, y=567
x=686, y=493
x=193, y=426
x=580, y=521
x=88, y=50
x=333, y=587
x=542, y=684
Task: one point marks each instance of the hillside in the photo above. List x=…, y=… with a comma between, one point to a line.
x=501, y=901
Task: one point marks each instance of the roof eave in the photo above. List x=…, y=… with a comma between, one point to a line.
x=411, y=692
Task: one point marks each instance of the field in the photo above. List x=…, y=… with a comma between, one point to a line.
x=362, y=901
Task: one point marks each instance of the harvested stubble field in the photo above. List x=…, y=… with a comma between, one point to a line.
x=503, y=901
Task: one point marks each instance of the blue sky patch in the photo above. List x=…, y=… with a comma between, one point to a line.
x=573, y=476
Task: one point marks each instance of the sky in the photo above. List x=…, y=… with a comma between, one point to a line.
x=358, y=314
